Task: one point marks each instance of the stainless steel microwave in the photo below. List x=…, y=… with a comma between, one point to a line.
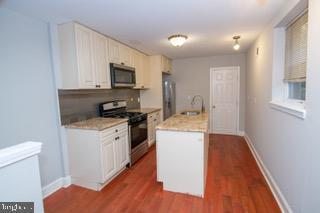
x=122, y=76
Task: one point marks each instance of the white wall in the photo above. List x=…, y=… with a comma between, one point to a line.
x=288, y=146
x=192, y=77
x=28, y=108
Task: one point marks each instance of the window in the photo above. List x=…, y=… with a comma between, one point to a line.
x=296, y=57
x=290, y=38
x=297, y=90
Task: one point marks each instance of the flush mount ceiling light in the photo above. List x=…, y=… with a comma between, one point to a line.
x=177, y=40
x=236, y=45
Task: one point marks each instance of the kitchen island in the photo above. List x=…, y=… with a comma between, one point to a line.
x=182, y=153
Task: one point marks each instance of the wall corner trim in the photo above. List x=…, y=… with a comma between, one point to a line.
x=282, y=202
x=62, y=182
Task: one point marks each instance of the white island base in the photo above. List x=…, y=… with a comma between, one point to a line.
x=182, y=161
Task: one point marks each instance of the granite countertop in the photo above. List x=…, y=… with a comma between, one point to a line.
x=185, y=123
x=145, y=110
x=96, y=123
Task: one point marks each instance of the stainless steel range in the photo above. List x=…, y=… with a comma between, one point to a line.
x=138, y=127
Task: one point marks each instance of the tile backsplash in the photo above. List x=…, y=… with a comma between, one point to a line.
x=77, y=105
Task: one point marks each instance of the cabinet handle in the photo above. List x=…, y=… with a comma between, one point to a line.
x=117, y=138
x=97, y=86
x=122, y=63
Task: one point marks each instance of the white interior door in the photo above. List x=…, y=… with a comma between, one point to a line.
x=225, y=100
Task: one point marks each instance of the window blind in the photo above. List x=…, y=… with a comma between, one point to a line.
x=296, y=50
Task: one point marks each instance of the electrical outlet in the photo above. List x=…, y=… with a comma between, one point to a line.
x=138, y=100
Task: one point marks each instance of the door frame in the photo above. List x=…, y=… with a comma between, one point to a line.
x=237, y=69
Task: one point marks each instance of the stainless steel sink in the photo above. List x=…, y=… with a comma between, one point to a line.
x=193, y=112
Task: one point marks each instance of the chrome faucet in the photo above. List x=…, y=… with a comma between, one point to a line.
x=202, y=102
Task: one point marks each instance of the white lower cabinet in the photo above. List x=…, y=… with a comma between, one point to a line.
x=153, y=121
x=109, y=159
x=122, y=149
x=96, y=157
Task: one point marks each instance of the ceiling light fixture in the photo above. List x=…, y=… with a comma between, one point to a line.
x=177, y=40
x=236, y=45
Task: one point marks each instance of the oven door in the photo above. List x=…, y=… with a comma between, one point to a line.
x=138, y=134
x=122, y=76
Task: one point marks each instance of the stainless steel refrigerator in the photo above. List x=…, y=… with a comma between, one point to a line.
x=169, y=98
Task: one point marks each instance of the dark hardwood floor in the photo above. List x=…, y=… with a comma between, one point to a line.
x=234, y=184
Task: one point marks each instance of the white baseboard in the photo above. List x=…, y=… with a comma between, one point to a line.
x=282, y=202
x=56, y=185
x=241, y=133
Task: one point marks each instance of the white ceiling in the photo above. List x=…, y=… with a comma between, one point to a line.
x=146, y=24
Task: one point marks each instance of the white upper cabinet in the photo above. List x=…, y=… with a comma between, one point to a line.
x=145, y=72
x=141, y=65
x=114, y=51
x=101, y=65
x=166, y=65
x=120, y=53
x=125, y=55
x=83, y=57
x=137, y=62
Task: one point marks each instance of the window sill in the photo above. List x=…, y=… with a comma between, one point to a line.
x=291, y=107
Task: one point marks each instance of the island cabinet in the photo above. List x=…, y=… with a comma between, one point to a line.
x=182, y=154
x=84, y=58
x=96, y=157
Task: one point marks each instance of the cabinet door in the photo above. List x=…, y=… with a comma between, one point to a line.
x=155, y=123
x=84, y=57
x=138, y=68
x=166, y=64
x=169, y=66
x=163, y=63
x=151, y=129
x=109, y=159
x=102, y=71
x=125, y=55
x=122, y=150
x=150, y=134
x=145, y=71
x=114, y=51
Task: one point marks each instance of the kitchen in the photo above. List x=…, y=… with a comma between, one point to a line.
x=121, y=145
x=159, y=106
